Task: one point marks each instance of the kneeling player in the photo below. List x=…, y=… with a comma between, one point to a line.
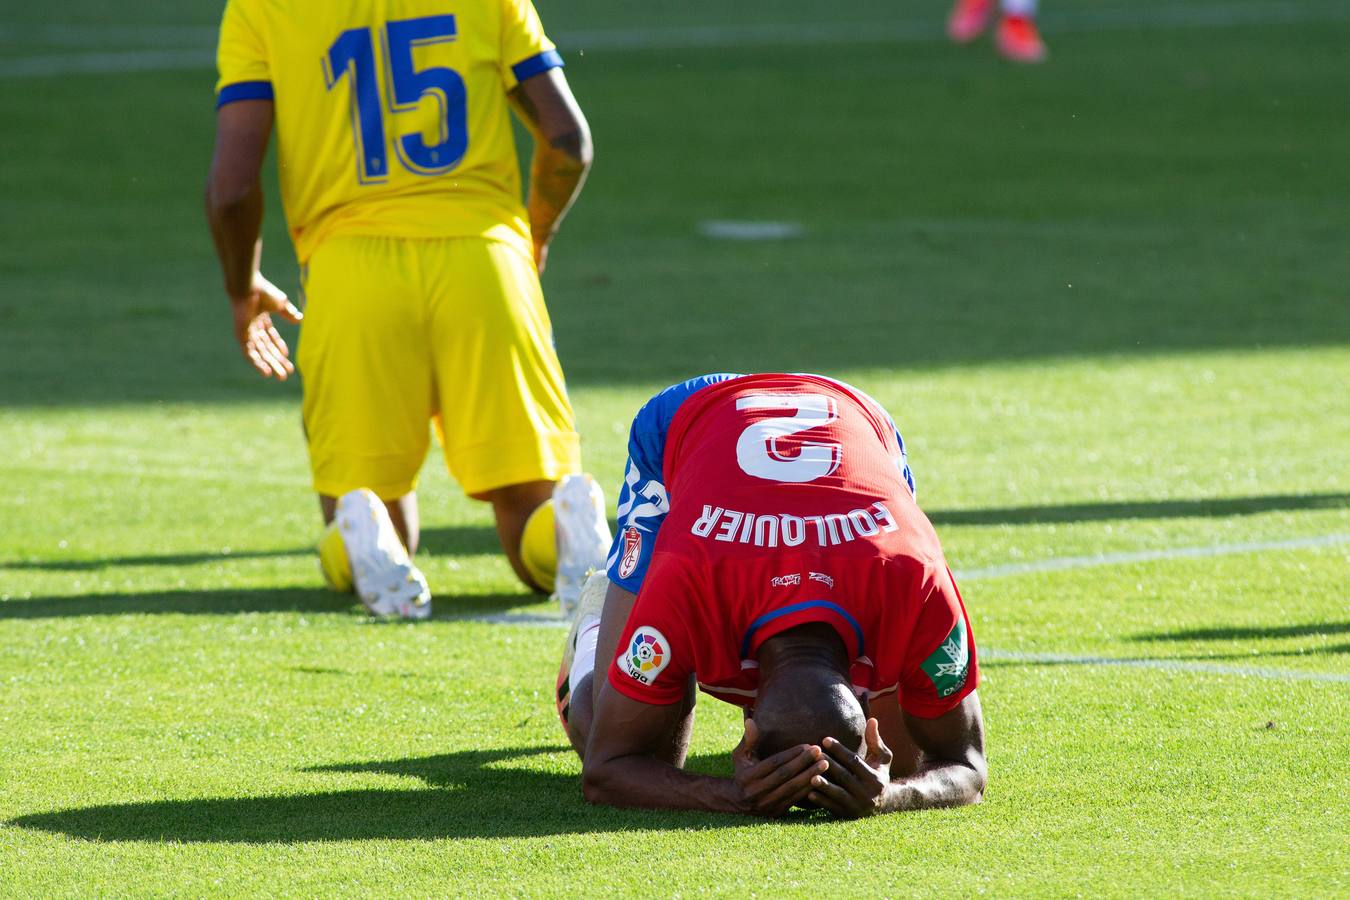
x=770, y=552
x=420, y=266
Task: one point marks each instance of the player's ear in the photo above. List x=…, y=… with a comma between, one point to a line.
x=874, y=749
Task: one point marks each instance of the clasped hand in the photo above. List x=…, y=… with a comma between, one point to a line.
x=854, y=786
x=772, y=786
x=830, y=775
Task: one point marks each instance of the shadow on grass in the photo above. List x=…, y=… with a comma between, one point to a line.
x=460, y=540
x=1141, y=509
x=481, y=540
x=1247, y=633
x=452, y=540
x=1075, y=244
x=468, y=794
x=232, y=602
x=169, y=559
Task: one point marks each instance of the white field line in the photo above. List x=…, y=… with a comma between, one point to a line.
x=1059, y=564
x=748, y=230
x=1080, y=562
x=1044, y=565
x=105, y=63
x=1061, y=659
x=1173, y=665
x=1114, y=559
x=104, y=36
x=678, y=37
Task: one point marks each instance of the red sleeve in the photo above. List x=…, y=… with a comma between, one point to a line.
x=655, y=656
x=939, y=668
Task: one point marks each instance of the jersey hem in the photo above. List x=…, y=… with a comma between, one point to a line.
x=631, y=692
x=943, y=706
x=500, y=233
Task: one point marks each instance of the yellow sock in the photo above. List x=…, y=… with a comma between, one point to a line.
x=333, y=562
x=539, y=546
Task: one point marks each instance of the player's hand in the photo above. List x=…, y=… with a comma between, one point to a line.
x=258, y=338
x=770, y=787
x=854, y=785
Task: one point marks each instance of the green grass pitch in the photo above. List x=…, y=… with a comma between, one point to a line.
x=1105, y=299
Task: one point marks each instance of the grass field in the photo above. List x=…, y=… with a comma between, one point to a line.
x=1106, y=300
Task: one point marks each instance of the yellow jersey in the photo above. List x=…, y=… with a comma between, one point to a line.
x=391, y=115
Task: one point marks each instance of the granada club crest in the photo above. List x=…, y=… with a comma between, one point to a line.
x=632, y=551
x=648, y=653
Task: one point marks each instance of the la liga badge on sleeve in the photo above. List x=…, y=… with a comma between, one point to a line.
x=647, y=654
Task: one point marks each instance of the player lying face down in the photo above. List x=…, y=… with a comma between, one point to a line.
x=771, y=554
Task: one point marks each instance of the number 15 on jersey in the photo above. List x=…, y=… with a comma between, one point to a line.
x=354, y=52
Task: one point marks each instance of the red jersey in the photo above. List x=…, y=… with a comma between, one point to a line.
x=788, y=503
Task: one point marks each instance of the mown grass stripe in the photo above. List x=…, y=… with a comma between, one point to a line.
x=1048, y=659
x=680, y=37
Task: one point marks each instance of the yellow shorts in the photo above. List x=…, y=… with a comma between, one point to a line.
x=399, y=332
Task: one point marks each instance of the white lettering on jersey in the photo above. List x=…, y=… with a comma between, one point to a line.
x=704, y=526
x=864, y=524
x=765, y=529
x=747, y=529
x=654, y=492
x=758, y=450
x=730, y=522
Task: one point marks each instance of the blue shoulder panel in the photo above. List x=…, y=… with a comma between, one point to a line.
x=643, y=501
x=903, y=462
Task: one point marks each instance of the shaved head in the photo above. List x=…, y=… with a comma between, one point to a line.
x=805, y=694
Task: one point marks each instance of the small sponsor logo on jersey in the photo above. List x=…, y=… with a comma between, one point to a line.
x=786, y=580
x=949, y=664
x=632, y=551
x=647, y=654
x=822, y=578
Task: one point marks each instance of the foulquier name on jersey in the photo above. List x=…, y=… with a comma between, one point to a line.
x=773, y=529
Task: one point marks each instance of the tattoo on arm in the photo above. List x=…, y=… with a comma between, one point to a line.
x=571, y=143
x=562, y=149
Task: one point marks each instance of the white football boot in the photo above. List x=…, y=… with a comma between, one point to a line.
x=385, y=578
x=583, y=536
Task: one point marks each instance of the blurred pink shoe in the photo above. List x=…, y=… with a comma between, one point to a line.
x=1018, y=40
x=968, y=19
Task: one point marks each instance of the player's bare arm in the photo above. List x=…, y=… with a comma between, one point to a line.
x=562, y=152
x=905, y=757
x=952, y=771
x=614, y=614
x=627, y=764
x=234, y=210
x=618, y=605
